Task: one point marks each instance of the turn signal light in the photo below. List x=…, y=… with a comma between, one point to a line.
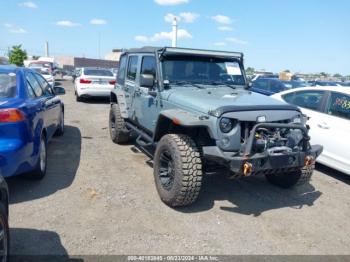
x=247, y=169
x=309, y=161
x=112, y=82
x=11, y=115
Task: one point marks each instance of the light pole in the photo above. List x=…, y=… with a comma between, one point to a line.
x=174, y=42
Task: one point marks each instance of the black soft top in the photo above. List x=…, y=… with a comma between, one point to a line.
x=168, y=51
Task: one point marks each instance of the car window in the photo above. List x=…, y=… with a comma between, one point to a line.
x=261, y=84
x=148, y=66
x=275, y=86
x=121, y=71
x=34, y=83
x=8, y=85
x=30, y=91
x=306, y=99
x=44, y=85
x=339, y=105
x=132, y=67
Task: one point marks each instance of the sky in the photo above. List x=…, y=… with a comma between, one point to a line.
x=298, y=35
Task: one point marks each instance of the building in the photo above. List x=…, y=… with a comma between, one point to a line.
x=114, y=55
x=70, y=62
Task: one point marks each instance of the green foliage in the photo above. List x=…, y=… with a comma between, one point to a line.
x=287, y=71
x=250, y=71
x=337, y=75
x=323, y=74
x=17, y=55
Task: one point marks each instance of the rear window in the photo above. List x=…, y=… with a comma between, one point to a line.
x=8, y=85
x=97, y=72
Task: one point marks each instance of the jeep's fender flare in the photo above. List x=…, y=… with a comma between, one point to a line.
x=181, y=118
x=113, y=97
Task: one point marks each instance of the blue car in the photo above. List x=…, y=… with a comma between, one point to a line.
x=270, y=86
x=30, y=114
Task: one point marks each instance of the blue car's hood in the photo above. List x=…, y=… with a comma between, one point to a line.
x=206, y=100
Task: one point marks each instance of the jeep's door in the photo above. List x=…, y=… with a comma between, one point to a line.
x=145, y=105
x=129, y=85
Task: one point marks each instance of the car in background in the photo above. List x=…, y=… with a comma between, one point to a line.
x=270, y=86
x=259, y=76
x=46, y=74
x=323, y=83
x=44, y=64
x=94, y=82
x=328, y=109
x=4, y=225
x=31, y=113
x=75, y=74
x=344, y=83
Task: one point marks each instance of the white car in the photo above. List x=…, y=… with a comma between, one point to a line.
x=45, y=72
x=93, y=82
x=328, y=109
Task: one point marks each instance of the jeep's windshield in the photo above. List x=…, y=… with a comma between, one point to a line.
x=202, y=70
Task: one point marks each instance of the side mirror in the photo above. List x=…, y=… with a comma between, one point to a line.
x=147, y=81
x=59, y=90
x=249, y=85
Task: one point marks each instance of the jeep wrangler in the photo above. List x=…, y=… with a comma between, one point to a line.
x=193, y=113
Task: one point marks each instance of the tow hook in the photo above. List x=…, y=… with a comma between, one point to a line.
x=309, y=161
x=247, y=169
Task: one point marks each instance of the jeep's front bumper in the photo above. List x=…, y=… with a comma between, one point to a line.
x=245, y=163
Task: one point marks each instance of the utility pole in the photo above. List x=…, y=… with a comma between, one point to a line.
x=99, y=45
x=47, y=54
x=174, y=44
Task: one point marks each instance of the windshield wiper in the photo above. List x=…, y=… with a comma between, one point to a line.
x=185, y=83
x=220, y=83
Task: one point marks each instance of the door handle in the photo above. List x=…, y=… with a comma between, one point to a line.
x=323, y=126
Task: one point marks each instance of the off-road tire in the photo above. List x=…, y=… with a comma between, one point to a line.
x=288, y=180
x=187, y=168
x=117, y=127
x=39, y=172
x=5, y=241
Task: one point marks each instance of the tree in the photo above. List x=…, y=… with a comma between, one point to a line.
x=323, y=74
x=287, y=71
x=250, y=71
x=337, y=75
x=17, y=55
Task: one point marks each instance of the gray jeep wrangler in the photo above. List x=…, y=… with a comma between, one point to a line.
x=193, y=113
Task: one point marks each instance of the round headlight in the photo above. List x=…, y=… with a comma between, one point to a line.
x=226, y=125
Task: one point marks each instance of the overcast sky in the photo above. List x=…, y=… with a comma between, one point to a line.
x=307, y=36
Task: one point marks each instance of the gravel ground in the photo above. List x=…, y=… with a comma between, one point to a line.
x=100, y=198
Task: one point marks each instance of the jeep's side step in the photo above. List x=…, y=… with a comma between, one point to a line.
x=143, y=139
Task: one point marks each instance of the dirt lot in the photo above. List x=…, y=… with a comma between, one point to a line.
x=100, y=198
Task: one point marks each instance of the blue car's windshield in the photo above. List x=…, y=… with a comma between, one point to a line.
x=202, y=71
x=7, y=85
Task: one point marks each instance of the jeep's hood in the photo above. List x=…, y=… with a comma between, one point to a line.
x=224, y=98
